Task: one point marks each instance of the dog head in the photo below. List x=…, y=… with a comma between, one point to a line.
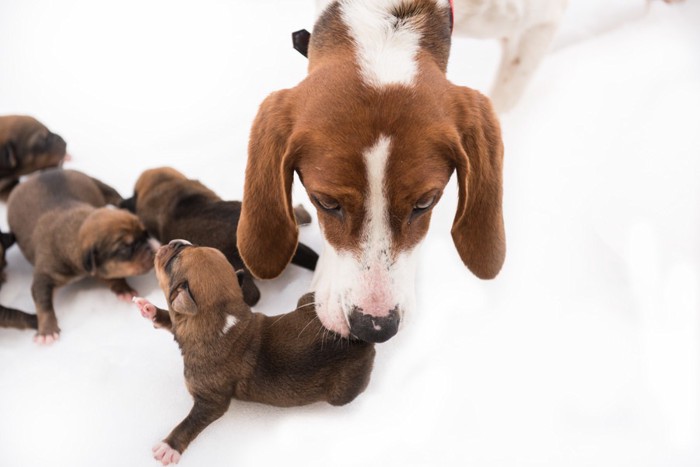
x=114, y=244
x=26, y=146
x=197, y=280
x=374, y=133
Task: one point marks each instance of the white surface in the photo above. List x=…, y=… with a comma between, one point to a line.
x=584, y=351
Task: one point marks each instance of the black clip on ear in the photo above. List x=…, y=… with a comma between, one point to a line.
x=300, y=41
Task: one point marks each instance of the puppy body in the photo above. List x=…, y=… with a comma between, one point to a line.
x=171, y=206
x=231, y=352
x=10, y=317
x=64, y=228
x=26, y=145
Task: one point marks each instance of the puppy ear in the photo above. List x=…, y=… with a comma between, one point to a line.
x=90, y=261
x=7, y=239
x=8, y=157
x=129, y=204
x=478, y=231
x=240, y=275
x=182, y=301
x=267, y=231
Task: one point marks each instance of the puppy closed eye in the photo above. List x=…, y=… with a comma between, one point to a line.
x=327, y=204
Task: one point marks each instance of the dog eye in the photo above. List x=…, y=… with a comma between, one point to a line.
x=424, y=204
x=327, y=204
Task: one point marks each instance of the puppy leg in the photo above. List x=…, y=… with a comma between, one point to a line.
x=159, y=317
x=43, y=286
x=302, y=215
x=11, y=318
x=121, y=288
x=204, y=412
x=521, y=57
x=305, y=257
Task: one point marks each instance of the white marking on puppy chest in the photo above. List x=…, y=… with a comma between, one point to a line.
x=386, y=47
x=230, y=322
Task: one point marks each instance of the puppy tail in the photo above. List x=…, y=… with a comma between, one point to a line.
x=7, y=239
x=305, y=257
x=12, y=318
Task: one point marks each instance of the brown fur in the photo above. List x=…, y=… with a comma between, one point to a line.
x=320, y=128
x=63, y=227
x=26, y=145
x=10, y=317
x=284, y=360
x=171, y=206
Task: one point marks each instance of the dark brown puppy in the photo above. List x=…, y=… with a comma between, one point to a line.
x=10, y=317
x=172, y=206
x=231, y=352
x=66, y=230
x=26, y=146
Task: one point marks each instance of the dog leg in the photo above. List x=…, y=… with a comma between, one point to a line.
x=159, y=317
x=521, y=57
x=47, y=324
x=204, y=412
x=121, y=288
x=305, y=257
x=12, y=318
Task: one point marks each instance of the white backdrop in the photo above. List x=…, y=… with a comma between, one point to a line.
x=584, y=351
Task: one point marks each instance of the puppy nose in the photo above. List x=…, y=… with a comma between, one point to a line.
x=179, y=241
x=373, y=328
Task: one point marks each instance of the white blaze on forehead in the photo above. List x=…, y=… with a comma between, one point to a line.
x=229, y=323
x=376, y=239
x=386, y=50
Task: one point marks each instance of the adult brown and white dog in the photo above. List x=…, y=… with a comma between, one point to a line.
x=374, y=132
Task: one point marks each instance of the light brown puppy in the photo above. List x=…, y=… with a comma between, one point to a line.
x=231, y=352
x=64, y=227
x=26, y=145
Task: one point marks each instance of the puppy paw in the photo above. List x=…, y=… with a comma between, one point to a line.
x=147, y=309
x=46, y=339
x=165, y=454
x=127, y=296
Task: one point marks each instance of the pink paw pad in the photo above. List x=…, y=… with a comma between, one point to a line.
x=46, y=339
x=147, y=309
x=165, y=454
x=127, y=296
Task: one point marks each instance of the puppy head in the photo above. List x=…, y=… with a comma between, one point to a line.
x=27, y=145
x=196, y=280
x=114, y=244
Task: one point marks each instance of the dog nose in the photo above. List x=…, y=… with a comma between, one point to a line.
x=178, y=242
x=374, y=328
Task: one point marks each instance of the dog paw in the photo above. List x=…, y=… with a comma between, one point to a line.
x=165, y=454
x=46, y=339
x=147, y=309
x=127, y=296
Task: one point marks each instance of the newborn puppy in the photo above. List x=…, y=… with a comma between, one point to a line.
x=64, y=227
x=230, y=351
x=25, y=146
x=172, y=206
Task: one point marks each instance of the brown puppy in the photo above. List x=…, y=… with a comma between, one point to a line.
x=172, y=206
x=25, y=146
x=10, y=317
x=66, y=230
x=230, y=351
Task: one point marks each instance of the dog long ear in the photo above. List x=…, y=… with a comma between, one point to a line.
x=8, y=157
x=478, y=231
x=182, y=301
x=7, y=239
x=267, y=231
x=90, y=261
